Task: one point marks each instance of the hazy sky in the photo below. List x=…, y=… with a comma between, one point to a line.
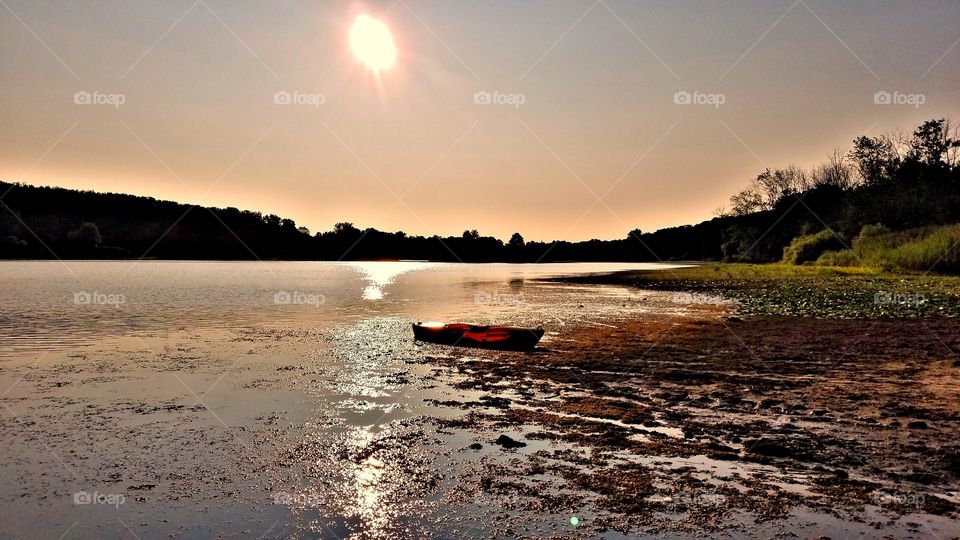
x=587, y=88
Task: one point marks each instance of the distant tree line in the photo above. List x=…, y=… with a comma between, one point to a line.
x=899, y=181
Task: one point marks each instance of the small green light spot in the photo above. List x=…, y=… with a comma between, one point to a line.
x=574, y=520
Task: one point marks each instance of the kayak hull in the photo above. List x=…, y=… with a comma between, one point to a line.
x=508, y=338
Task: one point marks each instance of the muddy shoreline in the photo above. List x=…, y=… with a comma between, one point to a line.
x=861, y=424
x=855, y=419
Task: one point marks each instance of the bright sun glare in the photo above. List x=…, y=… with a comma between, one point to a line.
x=372, y=43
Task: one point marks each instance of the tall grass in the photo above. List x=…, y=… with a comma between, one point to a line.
x=809, y=247
x=925, y=249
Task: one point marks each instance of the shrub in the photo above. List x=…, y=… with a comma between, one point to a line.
x=872, y=231
x=87, y=235
x=924, y=249
x=938, y=251
x=845, y=257
x=810, y=247
x=875, y=241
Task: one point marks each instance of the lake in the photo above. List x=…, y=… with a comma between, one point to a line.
x=47, y=305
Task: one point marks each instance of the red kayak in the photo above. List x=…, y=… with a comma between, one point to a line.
x=486, y=337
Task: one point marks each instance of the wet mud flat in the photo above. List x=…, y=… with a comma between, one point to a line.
x=153, y=435
x=729, y=426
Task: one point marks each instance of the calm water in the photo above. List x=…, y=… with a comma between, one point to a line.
x=52, y=305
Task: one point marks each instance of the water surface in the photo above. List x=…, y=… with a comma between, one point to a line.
x=48, y=304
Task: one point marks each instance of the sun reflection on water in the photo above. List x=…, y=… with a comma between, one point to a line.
x=369, y=490
x=379, y=274
x=370, y=494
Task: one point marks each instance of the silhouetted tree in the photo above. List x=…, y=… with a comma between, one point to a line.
x=835, y=172
x=272, y=220
x=86, y=236
x=345, y=227
x=738, y=241
x=746, y=201
x=876, y=158
x=931, y=142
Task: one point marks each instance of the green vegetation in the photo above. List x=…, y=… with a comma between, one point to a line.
x=809, y=247
x=805, y=291
x=923, y=249
x=935, y=251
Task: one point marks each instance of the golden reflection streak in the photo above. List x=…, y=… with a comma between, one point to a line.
x=380, y=274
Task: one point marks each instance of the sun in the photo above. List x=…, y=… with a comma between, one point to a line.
x=372, y=43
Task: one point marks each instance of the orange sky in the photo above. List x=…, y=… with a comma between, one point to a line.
x=582, y=138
